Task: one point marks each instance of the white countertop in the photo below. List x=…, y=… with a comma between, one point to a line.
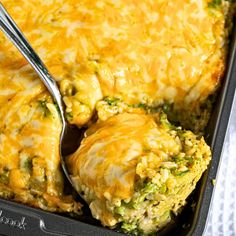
x=222, y=216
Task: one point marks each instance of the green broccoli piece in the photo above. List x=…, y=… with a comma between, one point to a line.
x=112, y=101
x=69, y=116
x=215, y=4
x=43, y=106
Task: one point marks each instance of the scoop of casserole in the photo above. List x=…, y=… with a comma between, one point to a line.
x=137, y=170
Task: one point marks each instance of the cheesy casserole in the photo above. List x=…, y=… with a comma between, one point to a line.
x=137, y=170
x=113, y=60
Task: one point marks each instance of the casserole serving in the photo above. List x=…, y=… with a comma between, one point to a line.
x=123, y=62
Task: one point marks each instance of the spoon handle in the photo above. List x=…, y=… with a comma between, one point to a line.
x=11, y=30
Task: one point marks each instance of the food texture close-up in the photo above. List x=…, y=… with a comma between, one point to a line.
x=141, y=77
x=137, y=170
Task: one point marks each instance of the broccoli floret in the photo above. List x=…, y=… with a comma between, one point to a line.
x=69, y=116
x=43, y=106
x=4, y=176
x=215, y=4
x=112, y=101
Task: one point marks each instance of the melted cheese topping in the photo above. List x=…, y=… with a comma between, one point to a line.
x=106, y=160
x=135, y=50
x=141, y=51
x=29, y=142
x=125, y=153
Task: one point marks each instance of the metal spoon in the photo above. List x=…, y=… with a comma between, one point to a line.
x=70, y=136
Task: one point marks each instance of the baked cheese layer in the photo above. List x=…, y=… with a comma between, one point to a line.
x=29, y=143
x=150, y=51
x=137, y=170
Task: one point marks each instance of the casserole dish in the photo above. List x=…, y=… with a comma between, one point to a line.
x=21, y=220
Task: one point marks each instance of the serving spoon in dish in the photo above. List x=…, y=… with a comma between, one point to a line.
x=71, y=135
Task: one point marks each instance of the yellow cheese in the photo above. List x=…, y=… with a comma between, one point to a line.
x=141, y=51
x=136, y=169
x=106, y=160
x=151, y=51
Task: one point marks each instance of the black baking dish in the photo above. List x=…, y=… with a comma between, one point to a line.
x=17, y=219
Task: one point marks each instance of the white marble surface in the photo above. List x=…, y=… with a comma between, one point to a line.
x=222, y=217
